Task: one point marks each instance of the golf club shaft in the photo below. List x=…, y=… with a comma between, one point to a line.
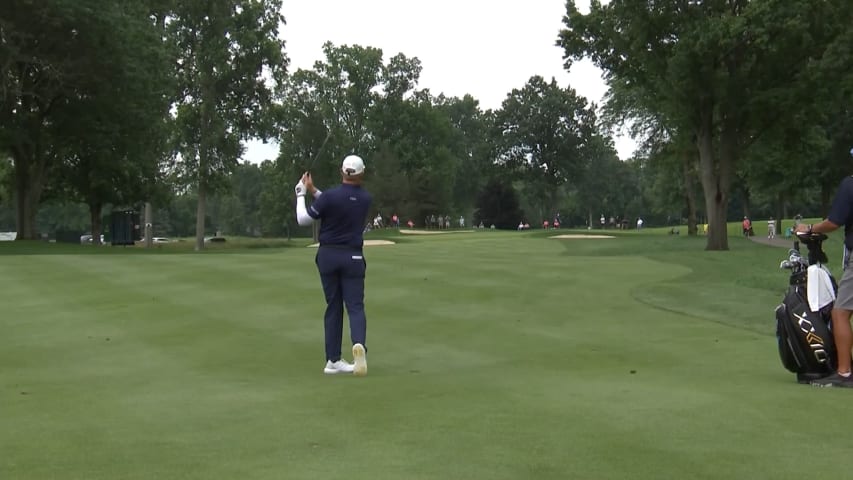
x=319, y=151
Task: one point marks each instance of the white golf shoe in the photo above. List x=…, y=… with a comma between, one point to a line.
x=359, y=356
x=341, y=366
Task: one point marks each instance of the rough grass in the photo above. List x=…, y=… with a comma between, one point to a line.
x=493, y=355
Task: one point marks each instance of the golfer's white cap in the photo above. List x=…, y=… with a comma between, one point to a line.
x=353, y=165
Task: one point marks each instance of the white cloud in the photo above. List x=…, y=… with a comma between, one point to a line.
x=479, y=47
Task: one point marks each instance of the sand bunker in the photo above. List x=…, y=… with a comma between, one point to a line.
x=582, y=236
x=432, y=232
x=367, y=243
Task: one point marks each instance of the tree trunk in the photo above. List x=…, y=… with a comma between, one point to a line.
x=779, y=211
x=25, y=212
x=95, y=216
x=200, y=213
x=689, y=195
x=747, y=203
x=149, y=226
x=28, y=187
x=205, y=151
x=714, y=185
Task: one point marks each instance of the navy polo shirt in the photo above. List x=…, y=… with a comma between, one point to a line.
x=342, y=211
x=841, y=212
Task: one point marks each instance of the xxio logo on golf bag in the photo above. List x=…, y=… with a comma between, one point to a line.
x=805, y=342
x=805, y=339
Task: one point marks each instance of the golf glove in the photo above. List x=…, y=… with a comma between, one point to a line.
x=300, y=189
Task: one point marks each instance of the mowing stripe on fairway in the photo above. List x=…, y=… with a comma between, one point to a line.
x=493, y=355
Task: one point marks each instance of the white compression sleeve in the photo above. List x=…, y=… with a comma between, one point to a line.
x=302, y=217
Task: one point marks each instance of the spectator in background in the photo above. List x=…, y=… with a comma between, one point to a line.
x=797, y=220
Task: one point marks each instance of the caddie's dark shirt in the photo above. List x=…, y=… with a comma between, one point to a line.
x=841, y=212
x=343, y=212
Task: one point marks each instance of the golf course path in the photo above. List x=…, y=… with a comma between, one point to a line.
x=773, y=242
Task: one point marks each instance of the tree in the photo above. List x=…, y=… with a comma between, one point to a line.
x=724, y=70
x=357, y=104
x=275, y=203
x=418, y=138
x=665, y=148
x=112, y=133
x=7, y=213
x=603, y=183
x=236, y=211
x=542, y=131
x=230, y=64
x=472, y=146
x=498, y=205
x=42, y=64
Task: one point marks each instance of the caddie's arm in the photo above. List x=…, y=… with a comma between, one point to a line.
x=825, y=226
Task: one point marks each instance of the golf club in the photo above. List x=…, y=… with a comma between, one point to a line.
x=319, y=152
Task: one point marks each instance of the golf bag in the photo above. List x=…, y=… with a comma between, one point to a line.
x=805, y=342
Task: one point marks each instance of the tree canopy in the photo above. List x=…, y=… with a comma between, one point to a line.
x=740, y=108
x=724, y=73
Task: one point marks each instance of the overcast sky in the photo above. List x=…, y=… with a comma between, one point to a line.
x=480, y=47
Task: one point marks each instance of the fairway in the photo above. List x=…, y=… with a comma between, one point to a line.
x=493, y=355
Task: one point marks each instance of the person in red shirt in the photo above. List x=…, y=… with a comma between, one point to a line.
x=747, y=226
x=545, y=224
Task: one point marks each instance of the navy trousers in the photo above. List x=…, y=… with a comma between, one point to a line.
x=342, y=272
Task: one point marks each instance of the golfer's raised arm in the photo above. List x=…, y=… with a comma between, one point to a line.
x=303, y=218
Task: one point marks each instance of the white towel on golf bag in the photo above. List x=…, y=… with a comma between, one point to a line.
x=819, y=287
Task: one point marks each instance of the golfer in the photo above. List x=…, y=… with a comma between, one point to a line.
x=340, y=260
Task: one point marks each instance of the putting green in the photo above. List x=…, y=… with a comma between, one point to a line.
x=581, y=236
x=405, y=231
x=367, y=243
